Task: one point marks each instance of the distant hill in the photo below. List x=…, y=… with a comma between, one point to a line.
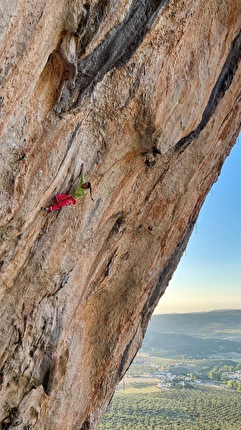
x=221, y=324
x=198, y=335
x=171, y=345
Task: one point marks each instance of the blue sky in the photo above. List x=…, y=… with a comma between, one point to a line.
x=209, y=274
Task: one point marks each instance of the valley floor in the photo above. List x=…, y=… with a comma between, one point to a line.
x=150, y=408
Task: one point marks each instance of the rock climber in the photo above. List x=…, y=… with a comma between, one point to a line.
x=77, y=190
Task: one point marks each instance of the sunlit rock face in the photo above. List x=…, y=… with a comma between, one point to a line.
x=147, y=94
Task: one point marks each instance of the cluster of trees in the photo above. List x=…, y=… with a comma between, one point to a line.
x=196, y=409
x=234, y=385
x=139, y=369
x=220, y=374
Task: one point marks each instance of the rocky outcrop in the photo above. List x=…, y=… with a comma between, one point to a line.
x=147, y=93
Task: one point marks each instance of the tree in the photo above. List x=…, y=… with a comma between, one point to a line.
x=238, y=385
x=230, y=384
x=224, y=378
x=215, y=374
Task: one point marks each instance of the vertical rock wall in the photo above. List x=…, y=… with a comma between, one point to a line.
x=147, y=94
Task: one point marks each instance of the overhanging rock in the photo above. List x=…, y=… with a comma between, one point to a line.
x=147, y=93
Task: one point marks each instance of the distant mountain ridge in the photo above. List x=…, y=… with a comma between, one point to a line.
x=196, y=335
x=224, y=324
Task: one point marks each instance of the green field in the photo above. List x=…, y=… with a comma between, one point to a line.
x=141, y=390
x=186, y=376
x=185, y=409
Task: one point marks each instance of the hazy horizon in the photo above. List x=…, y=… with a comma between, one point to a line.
x=199, y=312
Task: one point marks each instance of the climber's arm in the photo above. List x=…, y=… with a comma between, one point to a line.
x=81, y=169
x=79, y=179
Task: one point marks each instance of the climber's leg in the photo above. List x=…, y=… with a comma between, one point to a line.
x=67, y=201
x=60, y=197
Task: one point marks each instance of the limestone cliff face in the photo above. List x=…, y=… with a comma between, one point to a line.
x=147, y=94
